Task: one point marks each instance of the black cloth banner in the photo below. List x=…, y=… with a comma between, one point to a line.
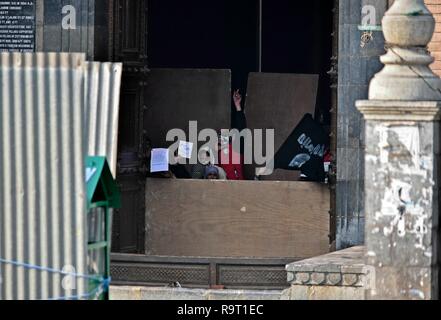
x=304, y=150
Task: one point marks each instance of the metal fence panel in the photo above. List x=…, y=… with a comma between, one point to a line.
x=103, y=84
x=42, y=188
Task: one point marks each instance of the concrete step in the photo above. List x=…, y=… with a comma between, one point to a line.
x=341, y=275
x=164, y=293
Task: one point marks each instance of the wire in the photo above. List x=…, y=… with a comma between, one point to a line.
x=103, y=284
x=102, y=287
x=413, y=70
x=50, y=270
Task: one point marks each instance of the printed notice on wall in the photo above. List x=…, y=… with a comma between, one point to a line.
x=17, y=26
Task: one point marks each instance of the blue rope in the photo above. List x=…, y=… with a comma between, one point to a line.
x=78, y=297
x=103, y=283
x=50, y=270
x=103, y=287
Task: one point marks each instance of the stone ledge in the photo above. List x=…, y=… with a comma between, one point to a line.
x=344, y=268
x=183, y=294
x=393, y=110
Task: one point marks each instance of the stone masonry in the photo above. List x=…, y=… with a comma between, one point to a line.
x=435, y=45
x=340, y=275
x=402, y=160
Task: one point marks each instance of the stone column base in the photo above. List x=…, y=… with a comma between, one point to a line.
x=340, y=275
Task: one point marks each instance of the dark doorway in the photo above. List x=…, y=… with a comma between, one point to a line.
x=296, y=38
x=204, y=34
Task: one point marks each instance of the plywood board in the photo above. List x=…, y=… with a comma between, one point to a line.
x=176, y=96
x=279, y=101
x=237, y=218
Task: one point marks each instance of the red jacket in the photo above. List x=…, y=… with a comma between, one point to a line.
x=232, y=163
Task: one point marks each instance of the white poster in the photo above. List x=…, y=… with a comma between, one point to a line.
x=159, y=161
x=185, y=149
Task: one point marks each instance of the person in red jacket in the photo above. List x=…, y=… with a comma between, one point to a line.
x=229, y=159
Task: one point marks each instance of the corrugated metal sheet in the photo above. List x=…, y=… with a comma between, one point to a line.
x=435, y=45
x=103, y=83
x=42, y=188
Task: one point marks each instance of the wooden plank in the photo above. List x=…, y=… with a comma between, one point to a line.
x=177, y=96
x=279, y=102
x=237, y=218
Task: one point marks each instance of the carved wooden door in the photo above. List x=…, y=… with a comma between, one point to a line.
x=129, y=45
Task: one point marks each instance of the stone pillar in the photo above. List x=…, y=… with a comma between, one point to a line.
x=402, y=160
x=356, y=66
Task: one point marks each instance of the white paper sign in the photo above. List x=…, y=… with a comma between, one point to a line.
x=159, y=161
x=185, y=149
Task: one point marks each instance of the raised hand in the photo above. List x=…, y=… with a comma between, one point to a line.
x=237, y=98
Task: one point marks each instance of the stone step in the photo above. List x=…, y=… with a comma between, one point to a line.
x=164, y=293
x=339, y=275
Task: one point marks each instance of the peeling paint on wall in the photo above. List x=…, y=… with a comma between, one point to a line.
x=404, y=201
x=401, y=164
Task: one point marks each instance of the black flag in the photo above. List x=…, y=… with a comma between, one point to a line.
x=304, y=150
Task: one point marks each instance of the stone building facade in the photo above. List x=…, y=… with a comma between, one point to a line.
x=355, y=64
x=435, y=46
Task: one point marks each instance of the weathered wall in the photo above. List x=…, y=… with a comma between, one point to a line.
x=356, y=67
x=185, y=294
x=435, y=46
x=341, y=275
x=52, y=37
x=403, y=220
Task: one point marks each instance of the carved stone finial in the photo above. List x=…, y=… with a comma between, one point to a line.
x=408, y=27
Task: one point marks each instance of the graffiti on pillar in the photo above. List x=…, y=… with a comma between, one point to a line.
x=406, y=178
x=369, y=15
x=370, y=22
